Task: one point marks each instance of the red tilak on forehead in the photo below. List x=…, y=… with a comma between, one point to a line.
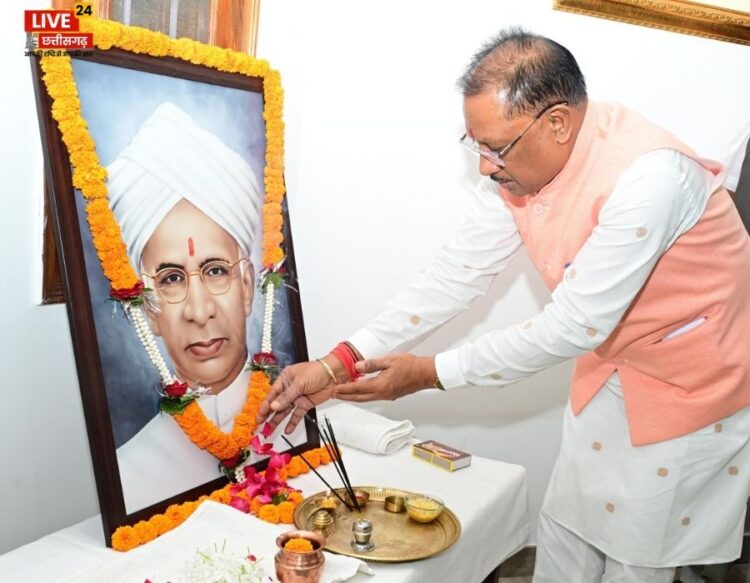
x=191, y=247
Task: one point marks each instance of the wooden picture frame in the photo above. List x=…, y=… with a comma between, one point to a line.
x=710, y=20
x=78, y=279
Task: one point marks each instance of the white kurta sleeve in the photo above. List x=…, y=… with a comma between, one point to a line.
x=481, y=246
x=661, y=196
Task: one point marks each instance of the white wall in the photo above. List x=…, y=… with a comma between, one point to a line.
x=46, y=481
x=376, y=178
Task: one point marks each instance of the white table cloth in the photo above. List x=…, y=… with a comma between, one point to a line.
x=489, y=498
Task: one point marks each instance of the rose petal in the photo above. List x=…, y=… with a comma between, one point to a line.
x=267, y=430
x=240, y=504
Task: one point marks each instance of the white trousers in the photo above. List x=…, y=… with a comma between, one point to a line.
x=564, y=557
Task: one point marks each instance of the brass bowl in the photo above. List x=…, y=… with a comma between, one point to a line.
x=423, y=508
x=394, y=504
x=362, y=497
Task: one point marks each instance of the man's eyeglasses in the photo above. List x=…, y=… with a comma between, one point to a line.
x=172, y=282
x=497, y=157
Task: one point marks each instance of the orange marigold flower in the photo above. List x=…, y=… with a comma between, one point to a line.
x=269, y=513
x=175, y=514
x=313, y=457
x=286, y=512
x=221, y=496
x=161, y=523
x=125, y=538
x=255, y=505
x=298, y=545
x=295, y=497
x=146, y=531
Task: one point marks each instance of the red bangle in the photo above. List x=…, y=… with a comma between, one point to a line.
x=345, y=353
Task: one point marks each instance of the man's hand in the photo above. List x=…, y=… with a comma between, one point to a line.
x=398, y=375
x=298, y=388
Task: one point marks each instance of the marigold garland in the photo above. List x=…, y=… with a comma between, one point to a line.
x=126, y=538
x=203, y=433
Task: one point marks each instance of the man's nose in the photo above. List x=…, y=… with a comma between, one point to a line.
x=487, y=168
x=199, y=303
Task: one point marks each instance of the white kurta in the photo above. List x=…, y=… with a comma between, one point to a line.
x=160, y=461
x=662, y=195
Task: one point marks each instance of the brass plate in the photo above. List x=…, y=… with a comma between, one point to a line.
x=397, y=538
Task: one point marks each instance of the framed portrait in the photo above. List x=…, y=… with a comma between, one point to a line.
x=727, y=20
x=164, y=161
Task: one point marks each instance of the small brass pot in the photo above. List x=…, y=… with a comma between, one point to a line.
x=294, y=567
x=394, y=504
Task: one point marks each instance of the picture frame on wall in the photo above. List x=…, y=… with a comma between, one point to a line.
x=726, y=20
x=165, y=176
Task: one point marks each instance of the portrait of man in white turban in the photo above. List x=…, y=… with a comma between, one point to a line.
x=188, y=207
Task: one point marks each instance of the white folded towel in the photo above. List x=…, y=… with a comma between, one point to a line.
x=165, y=558
x=366, y=430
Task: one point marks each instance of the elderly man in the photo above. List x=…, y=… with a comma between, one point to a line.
x=188, y=207
x=648, y=265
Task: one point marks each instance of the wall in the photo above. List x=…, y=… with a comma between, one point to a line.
x=47, y=480
x=376, y=179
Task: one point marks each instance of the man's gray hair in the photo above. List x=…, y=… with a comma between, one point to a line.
x=529, y=71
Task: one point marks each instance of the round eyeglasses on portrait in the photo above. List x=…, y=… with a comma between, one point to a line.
x=172, y=282
x=497, y=157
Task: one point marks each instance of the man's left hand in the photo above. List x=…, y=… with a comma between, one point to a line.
x=397, y=375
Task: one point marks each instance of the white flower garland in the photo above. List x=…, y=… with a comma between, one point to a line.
x=146, y=336
x=265, y=345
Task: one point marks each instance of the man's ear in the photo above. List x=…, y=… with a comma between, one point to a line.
x=561, y=123
x=248, y=287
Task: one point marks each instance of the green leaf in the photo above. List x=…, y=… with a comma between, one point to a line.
x=175, y=406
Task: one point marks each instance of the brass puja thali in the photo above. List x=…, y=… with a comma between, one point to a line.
x=395, y=536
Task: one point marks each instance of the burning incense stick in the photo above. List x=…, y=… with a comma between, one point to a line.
x=321, y=477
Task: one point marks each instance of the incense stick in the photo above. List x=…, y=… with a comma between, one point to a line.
x=321, y=477
x=338, y=451
x=329, y=448
x=338, y=463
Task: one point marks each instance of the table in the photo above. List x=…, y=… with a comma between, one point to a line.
x=489, y=498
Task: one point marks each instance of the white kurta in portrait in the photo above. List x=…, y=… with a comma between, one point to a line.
x=160, y=461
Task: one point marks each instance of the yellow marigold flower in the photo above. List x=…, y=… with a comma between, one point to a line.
x=269, y=513
x=298, y=545
x=125, y=538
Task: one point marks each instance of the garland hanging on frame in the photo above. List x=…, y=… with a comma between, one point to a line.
x=90, y=178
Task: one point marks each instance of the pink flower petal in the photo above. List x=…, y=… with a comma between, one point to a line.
x=267, y=430
x=240, y=504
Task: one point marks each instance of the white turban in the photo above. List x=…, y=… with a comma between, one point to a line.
x=172, y=157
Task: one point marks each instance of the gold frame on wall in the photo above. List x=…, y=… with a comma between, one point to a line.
x=674, y=15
